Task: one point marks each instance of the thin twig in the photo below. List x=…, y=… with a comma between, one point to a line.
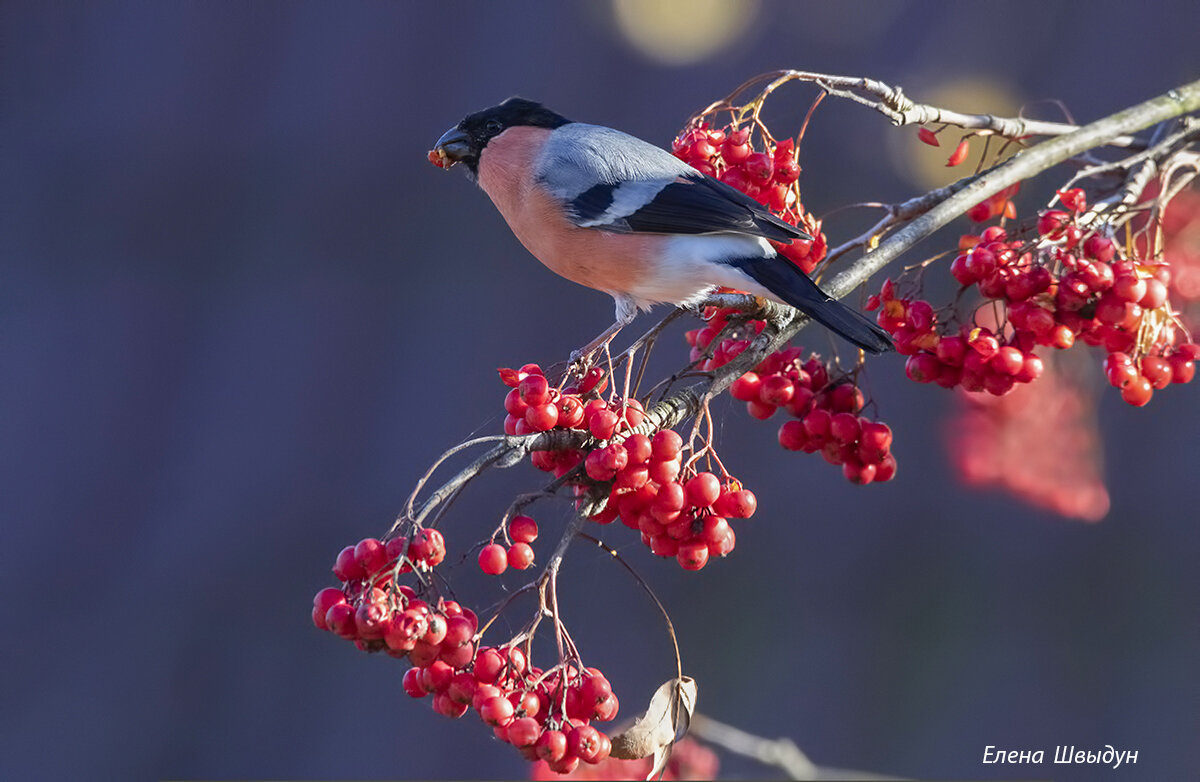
x=503, y=605
x=408, y=506
x=900, y=213
x=641, y=582
x=447, y=489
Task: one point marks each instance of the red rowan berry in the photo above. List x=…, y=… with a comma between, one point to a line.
x=412, y=683
x=551, y=746
x=524, y=732
x=1138, y=391
x=520, y=556
x=602, y=424
x=523, y=529
x=534, y=390
x=692, y=555
x=665, y=445
x=703, y=489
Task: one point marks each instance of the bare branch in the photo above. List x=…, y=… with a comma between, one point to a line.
x=781, y=753
x=1141, y=168
x=901, y=110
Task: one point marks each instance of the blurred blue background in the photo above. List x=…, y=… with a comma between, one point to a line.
x=240, y=314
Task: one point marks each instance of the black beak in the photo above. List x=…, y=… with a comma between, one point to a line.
x=454, y=144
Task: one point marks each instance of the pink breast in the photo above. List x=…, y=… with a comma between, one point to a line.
x=610, y=262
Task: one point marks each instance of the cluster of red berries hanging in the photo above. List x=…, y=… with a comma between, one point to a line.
x=546, y=715
x=1061, y=285
x=380, y=615
x=534, y=405
x=495, y=558
x=680, y=512
x=769, y=177
x=824, y=401
x=707, y=357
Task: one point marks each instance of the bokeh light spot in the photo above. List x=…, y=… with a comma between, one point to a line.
x=926, y=166
x=681, y=32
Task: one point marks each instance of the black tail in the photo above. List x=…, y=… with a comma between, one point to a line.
x=782, y=278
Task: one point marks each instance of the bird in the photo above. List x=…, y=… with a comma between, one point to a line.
x=612, y=212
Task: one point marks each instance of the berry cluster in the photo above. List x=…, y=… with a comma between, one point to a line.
x=825, y=413
x=825, y=402
x=533, y=405
x=1041, y=444
x=680, y=512
x=544, y=714
x=380, y=615
x=769, y=177
x=977, y=358
x=708, y=357
x=1051, y=289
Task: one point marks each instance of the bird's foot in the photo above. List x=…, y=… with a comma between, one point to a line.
x=578, y=362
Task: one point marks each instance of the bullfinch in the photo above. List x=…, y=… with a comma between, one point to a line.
x=615, y=213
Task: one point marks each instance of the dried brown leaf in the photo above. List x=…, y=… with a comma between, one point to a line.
x=665, y=721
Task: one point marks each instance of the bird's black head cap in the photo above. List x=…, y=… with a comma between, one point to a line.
x=464, y=142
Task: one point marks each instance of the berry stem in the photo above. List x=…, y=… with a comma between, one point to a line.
x=641, y=582
x=503, y=605
x=523, y=501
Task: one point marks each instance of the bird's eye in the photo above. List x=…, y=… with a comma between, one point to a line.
x=493, y=127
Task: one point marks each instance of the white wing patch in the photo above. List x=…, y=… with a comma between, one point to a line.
x=627, y=199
